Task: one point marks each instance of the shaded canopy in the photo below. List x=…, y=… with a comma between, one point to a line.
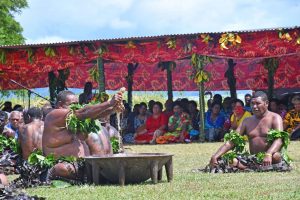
x=30, y=64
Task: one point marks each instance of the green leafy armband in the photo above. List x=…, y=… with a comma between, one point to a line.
x=76, y=125
x=238, y=141
x=275, y=134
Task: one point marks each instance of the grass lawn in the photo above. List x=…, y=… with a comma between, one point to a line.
x=189, y=185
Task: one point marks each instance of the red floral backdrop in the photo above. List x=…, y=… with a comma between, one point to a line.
x=30, y=64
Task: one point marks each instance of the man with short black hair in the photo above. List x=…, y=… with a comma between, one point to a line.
x=256, y=128
x=60, y=141
x=247, y=102
x=31, y=134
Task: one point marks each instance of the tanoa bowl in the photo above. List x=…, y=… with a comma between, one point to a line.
x=128, y=168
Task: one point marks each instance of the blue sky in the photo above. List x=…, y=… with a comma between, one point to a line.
x=67, y=20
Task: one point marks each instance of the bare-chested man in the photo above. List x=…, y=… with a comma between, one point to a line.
x=256, y=128
x=59, y=141
x=31, y=135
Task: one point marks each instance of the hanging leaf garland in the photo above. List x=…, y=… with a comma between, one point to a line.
x=171, y=43
x=3, y=56
x=271, y=64
x=100, y=98
x=198, y=74
x=130, y=45
x=94, y=74
x=229, y=39
x=30, y=55
x=102, y=50
x=50, y=52
x=285, y=36
x=206, y=38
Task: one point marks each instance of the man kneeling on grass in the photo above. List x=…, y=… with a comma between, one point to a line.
x=267, y=142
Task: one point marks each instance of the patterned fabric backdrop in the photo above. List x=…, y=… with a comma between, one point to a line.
x=30, y=64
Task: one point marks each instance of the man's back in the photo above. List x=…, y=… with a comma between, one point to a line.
x=31, y=137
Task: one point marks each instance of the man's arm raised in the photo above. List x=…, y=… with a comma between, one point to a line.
x=94, y=111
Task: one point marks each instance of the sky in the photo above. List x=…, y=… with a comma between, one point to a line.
x=72, y=20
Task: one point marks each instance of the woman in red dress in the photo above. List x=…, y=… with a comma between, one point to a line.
x=156, y=125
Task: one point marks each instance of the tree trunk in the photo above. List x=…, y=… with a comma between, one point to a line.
x=231, y=80
x=100, y=65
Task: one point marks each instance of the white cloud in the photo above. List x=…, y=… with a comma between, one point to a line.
x=120, y=24
x=95, y=19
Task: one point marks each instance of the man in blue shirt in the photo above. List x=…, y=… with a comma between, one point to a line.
x=12, y=128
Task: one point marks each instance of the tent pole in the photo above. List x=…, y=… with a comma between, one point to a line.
x=202, y=111
x=169, y=81
x=231, y=80
x=130, y=71
x=29, y=94
x=100, y=65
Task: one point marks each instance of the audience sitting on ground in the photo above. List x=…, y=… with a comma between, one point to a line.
x=124, y=118
x=214, y=122
x=134, y=128
x=291, y=122
x=156, y=125
x=131, y=116
x=179, y=125
x=12, y=128
x=168, y=108
x=18, y=107
x=150, y=107
x=195, y=120
x=218, y=98
x=87, y=95
x=274, y=107
x=239, y=114
x=7, y=106
x=140, y=119
x=227, y=107
x=47, y=108
x=3, y=120
x=247, y=102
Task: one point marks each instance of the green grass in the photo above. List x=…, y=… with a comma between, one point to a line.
x=189, y=185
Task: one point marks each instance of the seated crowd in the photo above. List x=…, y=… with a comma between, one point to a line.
x=175, y=122
x=179, y=121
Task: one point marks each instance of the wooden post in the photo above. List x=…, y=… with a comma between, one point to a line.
x=202, y=111
x=100, y=65
x=231, y=80
x=29, y=95
x=52, y=86
x=130, y=72
x=169, y=80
